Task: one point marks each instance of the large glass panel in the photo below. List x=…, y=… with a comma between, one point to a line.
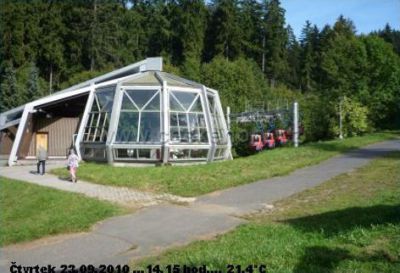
x=177, y=154
x=175, y=135
x=174, y=119
x=187, y=123
x=199, y=153
x=154, y=104
x=182, y=119
x=141, y=97
x=98, y=120
x=126, y=153
x=174, y=105
x=127, y=104
x=140, y=118
x=95, y=105
x=185, y=98
x=128, y=127
x=105, y=99
x=218, y=134
x=196, y=107
x=138, y=154
x=150, y=127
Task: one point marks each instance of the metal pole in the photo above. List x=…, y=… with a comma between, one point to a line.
x=295, y=124
x=228, y=125
x=228, y=118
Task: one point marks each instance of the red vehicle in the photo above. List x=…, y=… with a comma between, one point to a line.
x=269, y=140
x=280, y=137
x=256, y=142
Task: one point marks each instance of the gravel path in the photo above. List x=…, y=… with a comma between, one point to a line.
x=121, y=195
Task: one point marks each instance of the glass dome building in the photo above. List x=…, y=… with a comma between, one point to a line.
x=155, y=117
x=140, y=114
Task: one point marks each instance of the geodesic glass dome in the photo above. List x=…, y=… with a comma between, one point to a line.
x=155, y=117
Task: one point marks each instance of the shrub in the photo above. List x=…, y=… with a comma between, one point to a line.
x=354, y=118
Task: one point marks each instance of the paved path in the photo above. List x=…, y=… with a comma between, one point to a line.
x=153, y=229
x=121, y=195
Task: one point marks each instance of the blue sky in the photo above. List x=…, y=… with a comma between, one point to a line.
x=367, y=15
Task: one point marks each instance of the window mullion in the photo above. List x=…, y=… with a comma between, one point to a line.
x=104, y=124
x=188, y=127
x=90, y=126
x=96, y=128
x=138, y=130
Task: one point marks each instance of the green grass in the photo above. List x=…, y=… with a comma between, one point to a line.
x=348, y=224
x=29, y=211
x=200, y=179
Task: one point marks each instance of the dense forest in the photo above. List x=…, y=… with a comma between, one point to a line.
x=243, y=48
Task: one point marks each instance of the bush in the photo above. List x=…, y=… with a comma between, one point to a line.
x=240, y=136
x=317, y=116
x=354, y=118
x=238, y=82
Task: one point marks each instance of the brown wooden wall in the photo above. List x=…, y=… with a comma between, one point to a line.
x=7, y=140
x=60, y=132
x=26, y=138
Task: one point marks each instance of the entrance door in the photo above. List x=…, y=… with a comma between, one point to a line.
x=41, y=141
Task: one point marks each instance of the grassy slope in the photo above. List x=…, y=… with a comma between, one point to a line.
x=29, y=211
x=201, y=179
x=349, y=224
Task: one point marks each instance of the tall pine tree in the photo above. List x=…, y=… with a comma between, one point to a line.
x=276, y=40
x=10, y=93
x=224, y=32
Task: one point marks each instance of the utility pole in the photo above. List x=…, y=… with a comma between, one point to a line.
x=228, y=124
x=228, y=118
x=340, y=118
x=296, y=124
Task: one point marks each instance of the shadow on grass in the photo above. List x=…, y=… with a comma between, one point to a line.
x=64, y=178
x=327, y=259
x=334, y=222
x=324, y=259
x=321, y=259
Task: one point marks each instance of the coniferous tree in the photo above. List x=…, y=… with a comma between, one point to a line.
x=12, y=32
x=276, y=42
x=32, y=86
x=52, y=29
x=10, y=94
x=158, y=28
x=224, y=32
x=189, y=19
x=308, y=56
x=391, y=36
x=293, y=55
x=105, y=32
x=76, y=37
x=251, y=24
